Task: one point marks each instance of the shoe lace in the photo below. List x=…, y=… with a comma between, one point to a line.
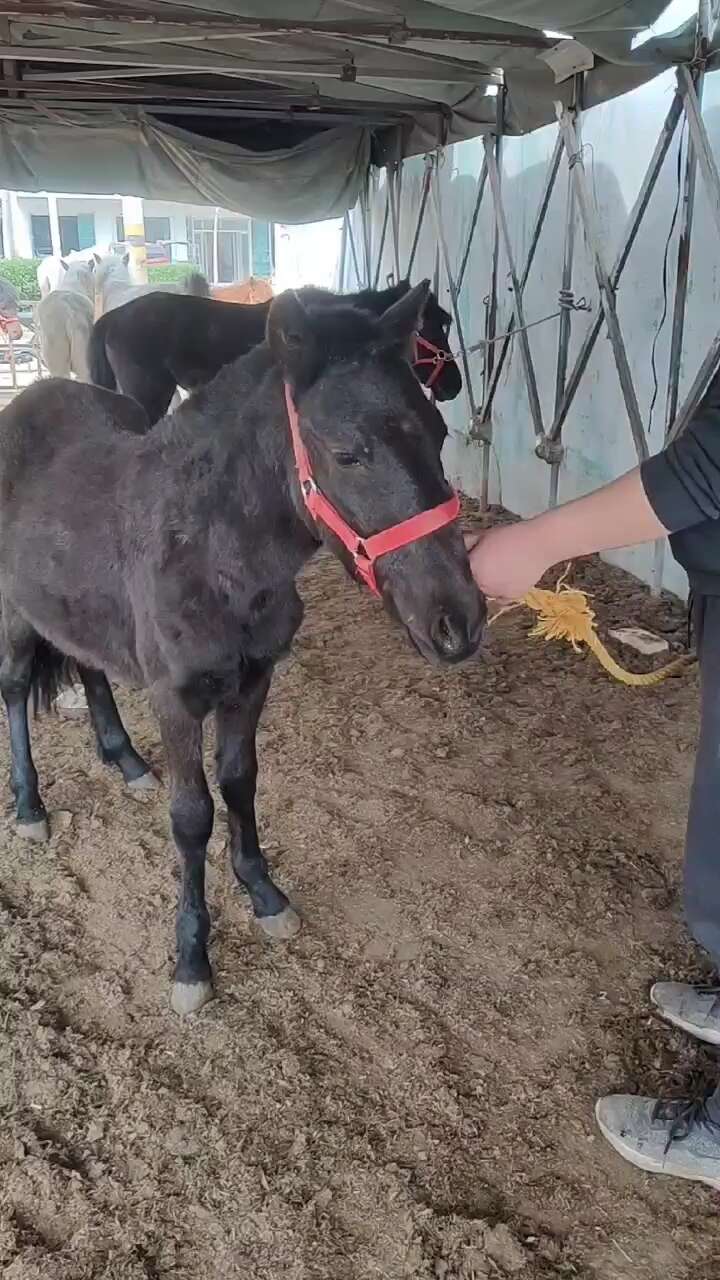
x=684, y=1115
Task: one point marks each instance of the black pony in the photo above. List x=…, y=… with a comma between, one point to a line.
x=168, y=559
x=152, y=345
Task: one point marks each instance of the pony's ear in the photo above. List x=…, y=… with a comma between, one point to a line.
x=97, y=258
x=405, y=317
x=63, y=264
x=292, y=339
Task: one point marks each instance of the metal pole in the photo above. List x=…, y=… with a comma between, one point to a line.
x=427, y=177
x=215, y=246
x=567, y=274
x=550, y=179
x=635, y=220
x=442, y=241
x=485, y=426
x=602, y=275
x=381, y=246
x=481, y=184
x=700, y=384
x=394, y=179
x=525, y=352
x=365, y=218
x=353, y=251
x=343, y=255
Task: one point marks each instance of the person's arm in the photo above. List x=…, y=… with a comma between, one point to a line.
x=671, y=491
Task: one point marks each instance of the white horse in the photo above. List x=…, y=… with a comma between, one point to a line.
x=114, y=286
x=51, y=272
x=64, y=320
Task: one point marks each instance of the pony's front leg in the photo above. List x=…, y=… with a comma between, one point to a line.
x=236, y=724
x=191, y=814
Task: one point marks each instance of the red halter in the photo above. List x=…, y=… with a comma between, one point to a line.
x=364, y=551
x=437, y=358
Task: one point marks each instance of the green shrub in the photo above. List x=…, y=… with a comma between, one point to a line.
x=22, y=272
x=173, y=273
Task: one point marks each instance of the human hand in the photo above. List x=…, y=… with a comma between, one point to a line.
x=507, y=560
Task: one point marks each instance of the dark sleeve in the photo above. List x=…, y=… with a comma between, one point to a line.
x=682, y=484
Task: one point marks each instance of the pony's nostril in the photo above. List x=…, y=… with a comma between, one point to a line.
x=450, y=635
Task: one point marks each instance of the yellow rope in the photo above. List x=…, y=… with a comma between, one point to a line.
x=564, y=614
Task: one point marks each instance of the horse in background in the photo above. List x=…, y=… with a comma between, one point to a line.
x=64, y=320
x=155, y=344
x=248, y=292
x=51, y=272
x=114, y=286
x=9, y=321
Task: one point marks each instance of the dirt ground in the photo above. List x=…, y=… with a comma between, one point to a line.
x=488, y=864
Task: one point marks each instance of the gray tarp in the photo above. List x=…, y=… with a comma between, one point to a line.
x=130, y=153
x=408, y=74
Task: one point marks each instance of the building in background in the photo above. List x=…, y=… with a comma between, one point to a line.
x=225, y=246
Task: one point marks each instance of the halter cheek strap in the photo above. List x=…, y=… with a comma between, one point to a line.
x=364, y=551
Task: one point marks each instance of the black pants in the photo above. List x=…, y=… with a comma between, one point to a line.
x=702, y=849
x=702, y=845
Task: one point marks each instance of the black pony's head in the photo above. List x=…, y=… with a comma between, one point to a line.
x=374, y=441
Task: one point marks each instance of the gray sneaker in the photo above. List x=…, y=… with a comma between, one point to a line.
x=676, y=1138
x=694, y=1009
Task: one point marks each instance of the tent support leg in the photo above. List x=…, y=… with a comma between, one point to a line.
x=565, y=315
x=481, y=184
x=605, y=285
x=442, y=241
x=635, y=221
x=525, y=352
x=427, y=179
x=381, y=246
x=394, y=193
x=483, y=430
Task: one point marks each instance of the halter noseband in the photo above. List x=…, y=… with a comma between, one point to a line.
x=437, y=358
x=364, y=551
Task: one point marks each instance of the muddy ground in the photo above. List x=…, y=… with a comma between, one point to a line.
x=488, y=863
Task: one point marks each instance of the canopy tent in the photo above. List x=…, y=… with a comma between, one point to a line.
x=276, y=109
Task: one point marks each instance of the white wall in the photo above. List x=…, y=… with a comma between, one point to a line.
x=619, y=138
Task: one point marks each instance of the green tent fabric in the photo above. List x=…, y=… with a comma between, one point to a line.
x=275, y=109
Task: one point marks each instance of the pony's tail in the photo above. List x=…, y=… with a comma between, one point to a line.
x=51, y=673
x=196, y=285
x=101, y=372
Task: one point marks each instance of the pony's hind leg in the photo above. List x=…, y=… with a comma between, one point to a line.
x=191, y=814
x=16, y=676
x=114, y=745
x=236, y=725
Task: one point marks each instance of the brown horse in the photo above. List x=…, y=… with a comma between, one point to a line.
x=168, y=559
x=248, y=292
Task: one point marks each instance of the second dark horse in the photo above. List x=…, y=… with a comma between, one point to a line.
x=154, y=344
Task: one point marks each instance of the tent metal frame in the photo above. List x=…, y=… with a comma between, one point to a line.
x=579, y=215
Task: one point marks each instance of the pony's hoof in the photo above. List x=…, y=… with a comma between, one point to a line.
x=189, y=997
x=38, y=830
x=281, y=927
x=146, y=782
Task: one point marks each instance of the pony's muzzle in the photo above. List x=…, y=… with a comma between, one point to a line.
x=456, y=636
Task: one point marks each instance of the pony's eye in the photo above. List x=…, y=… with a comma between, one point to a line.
x=347, y=460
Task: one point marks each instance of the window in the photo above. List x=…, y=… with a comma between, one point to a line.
x=157, y=229
x=40, y=227
x=233, y=253
x=77, y=231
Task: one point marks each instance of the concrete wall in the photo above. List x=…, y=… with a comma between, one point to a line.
x=619, y=138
